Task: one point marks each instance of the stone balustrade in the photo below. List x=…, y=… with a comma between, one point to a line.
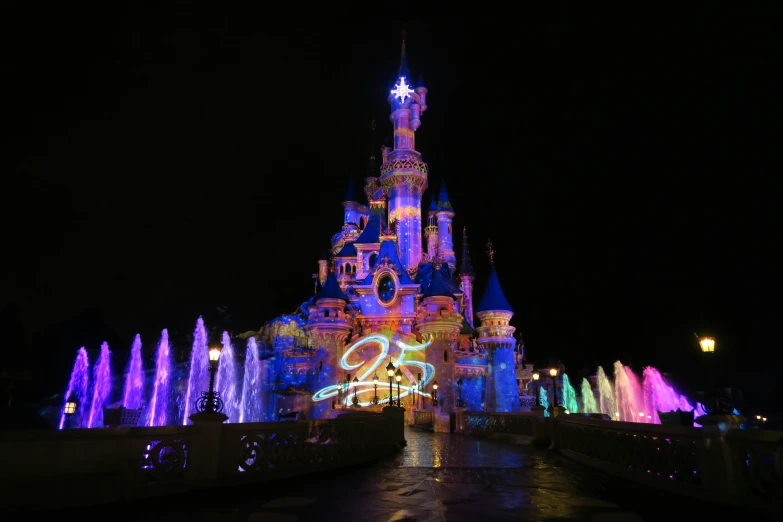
x=732, y=466
x=80, y=467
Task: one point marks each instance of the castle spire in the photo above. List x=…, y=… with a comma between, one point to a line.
x=372, y=164
x=443, y=199
x=350, y=194
x=491, y=254
x=404, y=73
x=466, y=268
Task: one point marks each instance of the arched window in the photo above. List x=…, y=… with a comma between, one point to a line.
x=326, y=313
x=373, y=260
x=353, y=269
x=362, y=222
x=445, y=356
x=342, y=269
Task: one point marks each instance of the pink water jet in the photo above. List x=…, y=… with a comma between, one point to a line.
x=101, y=384
x=157, y=414
x=198, y=379
x=78, y=387
x=133, y=394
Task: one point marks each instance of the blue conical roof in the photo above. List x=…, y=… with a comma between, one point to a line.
x=433, y=205
x=443, y=199
x=348, y=250
x=331, y=289
x=404, y=73
x=441, y=284
x=420, y=83
x=493, y=298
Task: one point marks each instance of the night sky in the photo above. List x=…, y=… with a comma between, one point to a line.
x=170, y=162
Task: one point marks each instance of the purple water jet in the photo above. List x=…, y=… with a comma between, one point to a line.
x=252, y=404
x=78, y=386
x=198, y=380
x=134, y=381
x=226, y=380
x=101, y=387
x=156, y=416
x=662, y=396
x=627, y=394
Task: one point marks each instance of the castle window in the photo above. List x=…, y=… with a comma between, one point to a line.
x=342, y=269
x=373, y=260
x=449, y=229
x=326, y=313
x=445, y=356
x=353, y=269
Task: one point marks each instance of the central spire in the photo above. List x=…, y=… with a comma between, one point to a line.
x=403, y=60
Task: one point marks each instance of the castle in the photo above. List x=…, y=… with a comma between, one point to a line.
x=392, y=292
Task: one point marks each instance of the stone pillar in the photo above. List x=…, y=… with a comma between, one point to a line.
x=398, y=415
x=206, y=454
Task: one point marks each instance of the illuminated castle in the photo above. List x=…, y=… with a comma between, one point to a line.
x=391, y=290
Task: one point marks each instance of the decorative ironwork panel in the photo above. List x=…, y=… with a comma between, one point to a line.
x=164, y=460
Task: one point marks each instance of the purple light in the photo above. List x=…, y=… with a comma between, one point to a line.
x=160, y=394
x=134, y=381
x=198, y=379
x=252, y=401
x=78, y=385
x=226, y=380
x=101, y=383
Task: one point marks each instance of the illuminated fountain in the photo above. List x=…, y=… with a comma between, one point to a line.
x=569, y=396
x=544, y=400
x=159, y=404
x=198, y=379
x=78, y=385
x=251, y=408
x=226, y=380
x=588, y=398
x=607, y=402
x=101, y=387
x=133, y=394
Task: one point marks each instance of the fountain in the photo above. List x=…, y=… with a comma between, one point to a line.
x=226, y=381
x=544, y=400
x=606, y=399
x=627, y=394
x=662, y=396
x=251, y=406
x=101, y=387
x=158, y=410
x=78, y=386
x=588, y=399
x=133, y=394
x=198, y=380
x=569, y=396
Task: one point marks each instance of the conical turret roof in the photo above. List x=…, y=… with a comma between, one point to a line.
x=331, y=289
x=493, y=298
x=443, y=199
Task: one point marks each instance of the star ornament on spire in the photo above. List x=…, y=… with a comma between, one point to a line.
x=402, y=90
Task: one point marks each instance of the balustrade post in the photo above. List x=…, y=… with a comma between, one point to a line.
x=396, y=421
x=541, y=429
x=459, y=414
x=204, y=460
x=717, y=461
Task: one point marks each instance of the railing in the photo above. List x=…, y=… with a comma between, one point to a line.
x=423, y=418
x=757, y=462
x=483, y=423
x=80, y=467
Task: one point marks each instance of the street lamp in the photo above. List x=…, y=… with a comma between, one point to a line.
x=210, y=401
x=390, y=372
x=460, y=404
x=553, y=374
x=355, y=384
x=434, y=393
x=707, y=344
x=398, y=376
x=375, y=382
x=537, y=376
x=70, y=409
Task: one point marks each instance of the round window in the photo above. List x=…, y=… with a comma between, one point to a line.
x=386, y=289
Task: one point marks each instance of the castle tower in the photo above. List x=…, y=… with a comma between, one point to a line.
x=329, y=326
x=445, y=241
x=431, y=231
x=323, y=268
x=439, y=320
x=497, y=338
x=466, y=277
x=403, y=174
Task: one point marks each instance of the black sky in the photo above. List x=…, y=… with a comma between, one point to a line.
x=164, y=162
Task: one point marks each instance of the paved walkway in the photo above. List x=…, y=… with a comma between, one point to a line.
x=437, y=477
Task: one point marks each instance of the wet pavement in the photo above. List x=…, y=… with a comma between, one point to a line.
x=437, y=477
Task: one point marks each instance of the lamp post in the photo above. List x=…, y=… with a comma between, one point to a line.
x=434, y=393
x=69, y=410
x=460, y=404
x=390, y=372
x=536, y=390
x=210, y=401
x=553, y=374
x=375, y=383
x=355, y=384
x=707, y=346
x=398, y=377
